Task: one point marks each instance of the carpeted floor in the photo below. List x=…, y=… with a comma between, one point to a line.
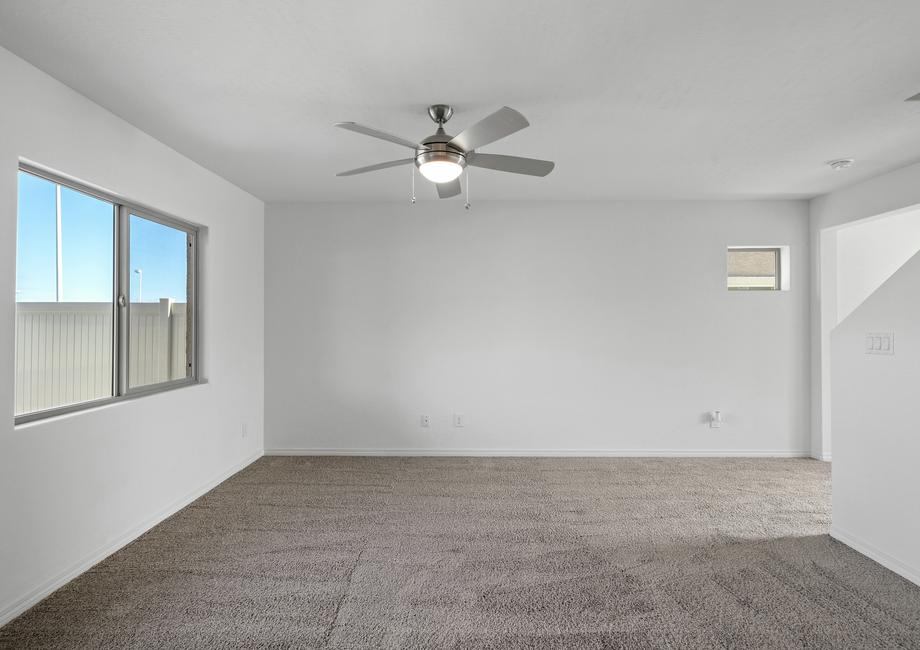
x=490, y=553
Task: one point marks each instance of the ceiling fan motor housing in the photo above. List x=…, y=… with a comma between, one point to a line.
x=435, y=148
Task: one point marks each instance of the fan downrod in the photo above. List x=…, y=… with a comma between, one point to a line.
x=440, y=113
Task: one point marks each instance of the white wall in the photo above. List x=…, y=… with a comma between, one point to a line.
x=869, y=252
x=896, y=191
x=875, y=414
x=75, y=487
x=553, y=327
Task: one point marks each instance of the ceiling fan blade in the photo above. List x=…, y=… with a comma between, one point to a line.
x=373, y=168
x=449, y=189
x=513, y=164
x=496, y=126
x=376, y=133
x=915, y=98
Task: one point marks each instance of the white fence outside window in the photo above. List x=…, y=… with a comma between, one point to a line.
x=64, y=350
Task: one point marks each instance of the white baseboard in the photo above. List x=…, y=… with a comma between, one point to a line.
x=669, y=453
x=886, y=560
x=18, y=606
x=822, y=457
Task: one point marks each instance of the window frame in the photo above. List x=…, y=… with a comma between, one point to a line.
x=121, y=297
x=778, y=255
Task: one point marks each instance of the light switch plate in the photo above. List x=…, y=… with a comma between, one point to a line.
x=880, y=343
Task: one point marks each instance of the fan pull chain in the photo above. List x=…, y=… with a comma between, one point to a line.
x=413, y=184
x=467, y=206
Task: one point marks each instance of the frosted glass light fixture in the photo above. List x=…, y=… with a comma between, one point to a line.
x=440, y=166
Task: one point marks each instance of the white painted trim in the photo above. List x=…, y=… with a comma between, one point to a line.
x=886, y=560
x=822, y=457
x=676, y=453
x=20, y=605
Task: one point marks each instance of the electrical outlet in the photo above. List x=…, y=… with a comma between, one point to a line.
x=715, y=419
x=459, y=420
x=424, y=421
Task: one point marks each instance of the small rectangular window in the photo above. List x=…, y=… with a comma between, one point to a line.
x=754, y=269
x=105, y=298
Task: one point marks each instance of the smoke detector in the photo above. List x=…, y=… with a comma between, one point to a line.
x=840, y=163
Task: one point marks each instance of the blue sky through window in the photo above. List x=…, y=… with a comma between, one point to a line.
x=36, y=237
x=87, y=248
x=159, y=253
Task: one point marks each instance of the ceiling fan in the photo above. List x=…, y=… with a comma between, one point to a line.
x=441, y=157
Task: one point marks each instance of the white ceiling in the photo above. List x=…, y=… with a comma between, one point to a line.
x=631, y=98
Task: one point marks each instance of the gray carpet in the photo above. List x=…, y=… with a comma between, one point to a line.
x=490, y=553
